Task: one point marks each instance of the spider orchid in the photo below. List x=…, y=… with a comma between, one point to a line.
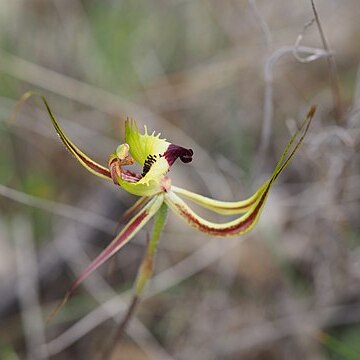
x=157, y=194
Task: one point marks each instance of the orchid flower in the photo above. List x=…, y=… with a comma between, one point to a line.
x=157, y=194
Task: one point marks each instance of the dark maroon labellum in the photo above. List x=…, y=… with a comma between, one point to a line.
x=175, y=151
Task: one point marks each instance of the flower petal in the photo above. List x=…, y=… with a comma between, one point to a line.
x=142, y=145
x=235, y=227
x=147, y=149
x=217, y=206
x=135, y=207
x=126, y=234
x=88, y=163
x=156, y=156
x=281, y=165
x=246, y=222
x=148, y=187
x=240, y=207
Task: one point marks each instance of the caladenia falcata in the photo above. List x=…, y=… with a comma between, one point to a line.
x=157, y=194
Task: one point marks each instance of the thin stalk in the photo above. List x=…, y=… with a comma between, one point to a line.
x=333, y=73
x=143, y=276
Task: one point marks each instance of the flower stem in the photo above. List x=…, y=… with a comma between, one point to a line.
x=143, y=276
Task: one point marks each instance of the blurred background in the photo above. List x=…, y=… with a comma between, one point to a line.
x=230, y=79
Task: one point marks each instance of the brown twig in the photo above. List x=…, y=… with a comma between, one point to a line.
x=333, y=74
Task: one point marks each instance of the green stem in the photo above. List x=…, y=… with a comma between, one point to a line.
x=143, y=276
x=146, y=268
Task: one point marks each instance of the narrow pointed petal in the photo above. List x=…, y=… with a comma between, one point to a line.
x=135, y=207
x=246, y=222
x=88, y=163
x=126, y=234
x=217, y=206
x=283, y=162
x=240, y=207
x=235, y=227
